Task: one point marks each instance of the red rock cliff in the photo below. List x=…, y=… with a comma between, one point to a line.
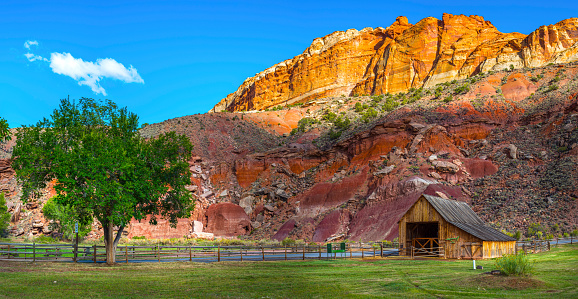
x=402, y=56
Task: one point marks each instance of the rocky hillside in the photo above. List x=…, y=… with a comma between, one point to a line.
x=400, y=57
x=340, y=167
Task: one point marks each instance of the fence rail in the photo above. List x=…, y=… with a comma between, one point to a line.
x=157, y=253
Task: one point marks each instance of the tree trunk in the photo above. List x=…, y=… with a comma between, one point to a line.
x=109, y=243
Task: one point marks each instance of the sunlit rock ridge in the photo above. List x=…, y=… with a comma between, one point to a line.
x=402, y=56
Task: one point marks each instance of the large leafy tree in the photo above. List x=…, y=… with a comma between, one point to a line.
x=102, y=168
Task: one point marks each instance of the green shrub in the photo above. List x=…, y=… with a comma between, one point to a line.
x=4, y=215
x=552, y=87
x=438, y=92
x=329, y=116
x=448, y=99
x=368, y=115
x=360, y=107
x=515, y=264
x=462, y=89
x=390, y=104
x=342, y=123
x=533, y=229
x=334, y=134
x=304, y=123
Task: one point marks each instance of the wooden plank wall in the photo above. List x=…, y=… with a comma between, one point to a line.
x=496, y=249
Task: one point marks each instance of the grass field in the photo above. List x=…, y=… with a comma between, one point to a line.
x=556, y=276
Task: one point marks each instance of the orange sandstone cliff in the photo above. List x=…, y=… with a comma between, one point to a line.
x=402, y=56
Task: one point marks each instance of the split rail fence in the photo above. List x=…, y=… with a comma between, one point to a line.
x=128, y=253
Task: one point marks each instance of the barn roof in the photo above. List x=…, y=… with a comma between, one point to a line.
x=462, y=216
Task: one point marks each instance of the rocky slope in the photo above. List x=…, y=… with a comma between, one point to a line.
x=400, y=57
x=348, y=167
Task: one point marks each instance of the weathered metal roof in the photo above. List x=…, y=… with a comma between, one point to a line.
x=462, y=216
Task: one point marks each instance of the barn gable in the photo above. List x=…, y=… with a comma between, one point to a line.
x=462, y=216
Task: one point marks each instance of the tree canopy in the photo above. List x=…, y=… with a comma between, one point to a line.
x=102, y=168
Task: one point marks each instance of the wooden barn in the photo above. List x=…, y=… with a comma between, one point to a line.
x=434, y=226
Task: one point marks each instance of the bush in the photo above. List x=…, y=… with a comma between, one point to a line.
x=390, y=105
x=552, y=87
x=342, y=123
x=288, y=242
x=448, y=99
x=515, y=264
x=334, y=134
x=368, y=115
x=462, y=89
x=359, y=107
x=4, y=215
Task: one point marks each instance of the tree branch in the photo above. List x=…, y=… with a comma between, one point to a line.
x=118, y=235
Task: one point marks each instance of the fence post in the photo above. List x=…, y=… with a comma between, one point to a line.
x=8, y=251
x=241, y=249
x=303, y=252
x=158, y=252
x=319, y=251
x=34, y=252
x=350, y=254
x=126, y=253
x=190, y=253
x=381, y=248
x=548, y=245
x=263, y=252
x=361, y=250
x=285, y=252
x=373, y=250
x=219, y=253
x=94, y=258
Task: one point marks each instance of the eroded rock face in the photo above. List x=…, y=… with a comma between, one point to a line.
x=402, y=56
x=162, y=230
x=227, y=219
x=333, y=225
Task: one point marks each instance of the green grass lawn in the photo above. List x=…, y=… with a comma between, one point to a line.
x=556, y=276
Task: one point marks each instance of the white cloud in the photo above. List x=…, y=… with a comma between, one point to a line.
x=86, y=72
x=31, y=57
x=29, y=43
x=90, y=73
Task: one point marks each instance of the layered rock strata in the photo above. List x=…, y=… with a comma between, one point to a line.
x=400, y=57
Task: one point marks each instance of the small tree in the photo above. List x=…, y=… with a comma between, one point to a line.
x=103, y=168
x=4, y=130
x=4, y=215
x=64, y=219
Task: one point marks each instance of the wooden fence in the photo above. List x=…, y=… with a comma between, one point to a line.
x=129, y=253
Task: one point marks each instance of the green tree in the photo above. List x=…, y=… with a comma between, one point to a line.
x=103, y=168
x=4, y=131
x=4, y=215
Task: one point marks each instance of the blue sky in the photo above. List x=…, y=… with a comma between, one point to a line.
x=188, y=55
